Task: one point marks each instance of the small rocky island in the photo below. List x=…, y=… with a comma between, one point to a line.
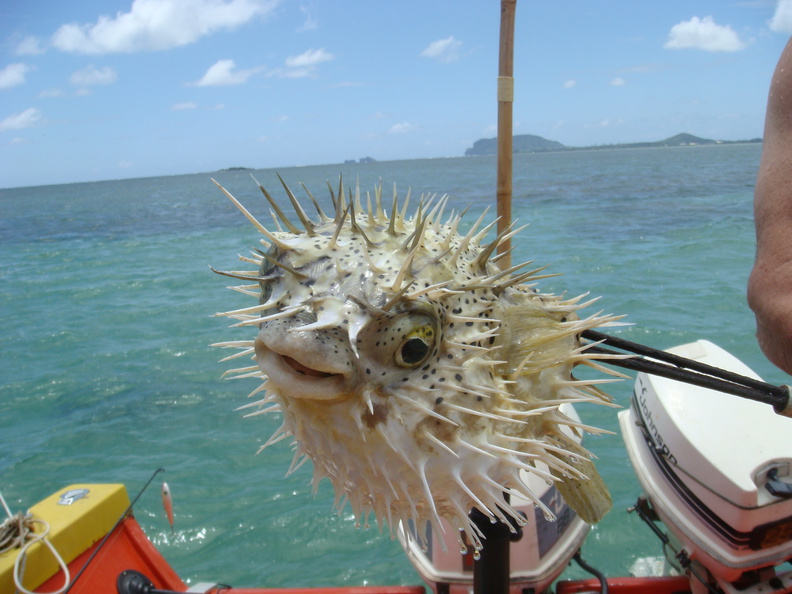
x=361, y=160
x=529, y=143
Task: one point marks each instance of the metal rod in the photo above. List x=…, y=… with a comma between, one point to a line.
x=668, y=365
x=678, y=361
x=492, y=569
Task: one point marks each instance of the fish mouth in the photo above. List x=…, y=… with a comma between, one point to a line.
x=304, y=369
x=297, y=379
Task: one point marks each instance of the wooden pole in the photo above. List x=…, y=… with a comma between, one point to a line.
x=505, y=105
x=492, y=570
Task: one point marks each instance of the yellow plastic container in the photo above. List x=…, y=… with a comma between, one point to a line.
x=78, y=516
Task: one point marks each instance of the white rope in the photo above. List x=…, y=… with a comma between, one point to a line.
x=17, y=532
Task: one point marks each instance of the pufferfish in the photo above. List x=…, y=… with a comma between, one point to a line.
x=417, y=375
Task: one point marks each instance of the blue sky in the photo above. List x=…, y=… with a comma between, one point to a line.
x=107, y=89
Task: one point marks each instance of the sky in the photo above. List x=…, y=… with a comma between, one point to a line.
x=111, y=89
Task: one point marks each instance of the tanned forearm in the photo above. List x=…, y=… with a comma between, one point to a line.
x=770, y=283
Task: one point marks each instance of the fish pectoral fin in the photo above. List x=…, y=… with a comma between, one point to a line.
x=589, y=497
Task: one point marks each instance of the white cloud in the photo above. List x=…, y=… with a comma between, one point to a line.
x=187, y=105
x=570, y=83
x=223, y=72
x=704, y=34
x=400, y=128
x=309, y=58
x=91, y=76
x=310, y=19
x=303, y=64
x=782, y=18
x=50, y=93
x=618, y=82
x=443, y=50
x=152, y=25
x=25, y=119
x=29, y=46
x=13, y=75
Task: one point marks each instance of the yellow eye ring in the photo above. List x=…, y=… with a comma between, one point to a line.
x=416, y=346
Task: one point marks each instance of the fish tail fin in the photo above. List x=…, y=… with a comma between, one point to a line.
x=588, y=497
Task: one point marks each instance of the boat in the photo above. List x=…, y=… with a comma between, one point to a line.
x=715, y=470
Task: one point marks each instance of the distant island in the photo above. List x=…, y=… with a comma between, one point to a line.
x=529, y=143
x=237, y=169
x=361, y=160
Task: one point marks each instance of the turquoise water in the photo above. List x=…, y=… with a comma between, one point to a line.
x=107, y=373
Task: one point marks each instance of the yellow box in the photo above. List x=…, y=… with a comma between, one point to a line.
x=78, y=516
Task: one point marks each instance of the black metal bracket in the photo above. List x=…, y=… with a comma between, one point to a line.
x=492, y=568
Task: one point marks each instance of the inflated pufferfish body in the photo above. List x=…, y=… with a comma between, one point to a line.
x=418, y=376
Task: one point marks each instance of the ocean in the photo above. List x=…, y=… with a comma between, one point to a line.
x=107, y=373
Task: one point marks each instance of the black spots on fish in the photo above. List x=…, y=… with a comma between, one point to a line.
x=458, y=377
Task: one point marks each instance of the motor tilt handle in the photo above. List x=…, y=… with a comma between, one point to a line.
x=668, y=365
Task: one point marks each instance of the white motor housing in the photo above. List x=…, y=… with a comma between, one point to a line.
x=704, y=460
x=536, y=560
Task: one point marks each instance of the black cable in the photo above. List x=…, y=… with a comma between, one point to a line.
x=641, y=506
x=104, y=540
x=595, y=572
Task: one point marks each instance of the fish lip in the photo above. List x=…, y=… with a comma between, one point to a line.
x=304, y=369
x=297, y=380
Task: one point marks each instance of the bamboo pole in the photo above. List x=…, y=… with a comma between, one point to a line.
x=505, y=105
x=492, y=570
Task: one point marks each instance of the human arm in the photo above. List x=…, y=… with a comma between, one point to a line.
x=770, y=282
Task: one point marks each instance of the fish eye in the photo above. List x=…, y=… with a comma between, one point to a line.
x=416, y=346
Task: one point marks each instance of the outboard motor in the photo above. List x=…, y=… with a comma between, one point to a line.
x=537, y=558
x=717, y=470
